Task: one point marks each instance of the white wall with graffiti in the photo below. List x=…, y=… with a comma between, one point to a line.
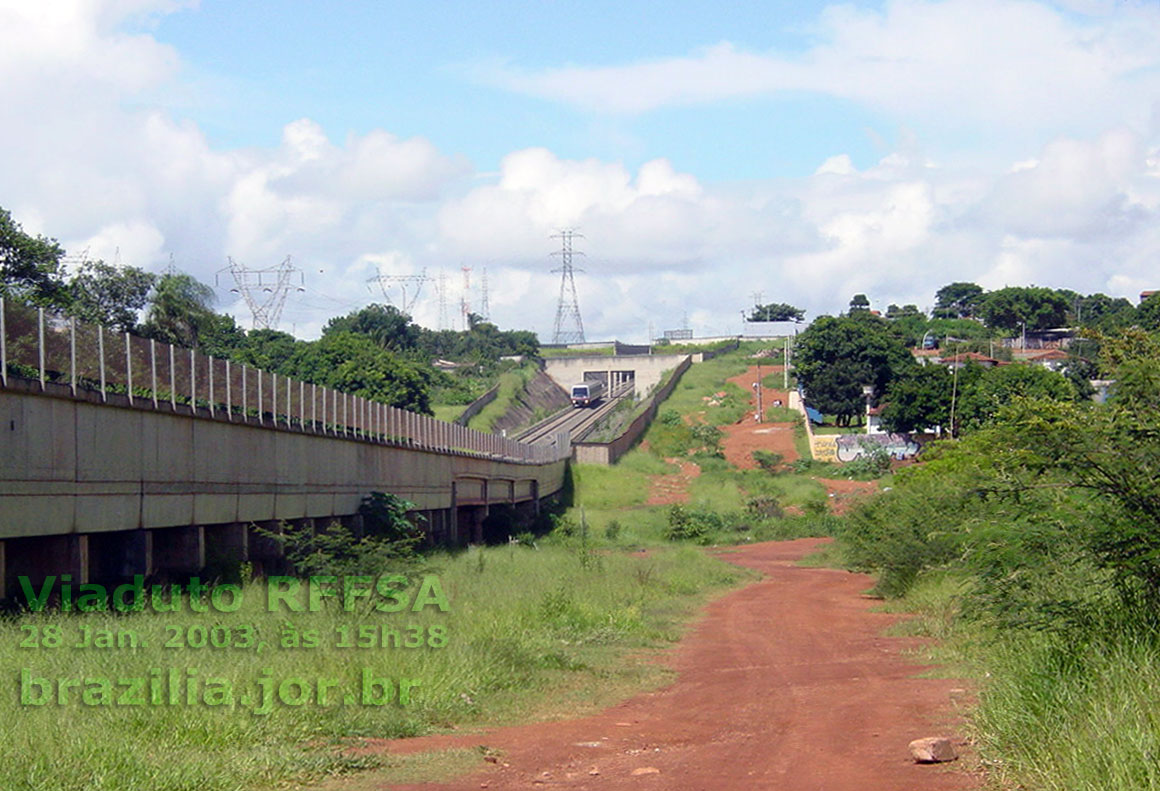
x=847, y=447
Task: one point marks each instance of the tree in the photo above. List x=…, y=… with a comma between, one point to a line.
x=109, y=295
x=837, y=356
x=1148, y=313
x=957, y=300
x=919, y=399
x=353, y=363
x=1104, y=313
x=906, y=311
x=386, y=325
x=1039, y=308
x=179, y=310
x=859, y=302
x=270, y=350
x=981, y=400
x=777, y=311
x=30, y=266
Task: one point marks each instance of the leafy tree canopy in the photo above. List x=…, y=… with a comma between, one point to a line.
x=113, y=296
x=957, y=300
x=386, y=325
x=837, y=356
x=777, y=311
x=180, y=310
x=1041, y=308
x=354, y=363
x=30, y=266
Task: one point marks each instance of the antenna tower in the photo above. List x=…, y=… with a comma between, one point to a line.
x=569, y=328
x=387, y=281
x=264, y=290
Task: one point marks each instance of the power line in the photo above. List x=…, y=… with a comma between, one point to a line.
x=569, y=327
x=387, y=281
x=264, y=290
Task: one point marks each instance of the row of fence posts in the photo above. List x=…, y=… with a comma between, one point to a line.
x=331, y=412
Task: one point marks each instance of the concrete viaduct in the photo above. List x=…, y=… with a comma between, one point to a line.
x=120, y=455
x=106, y=490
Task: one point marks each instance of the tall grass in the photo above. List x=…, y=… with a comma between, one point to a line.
x=523, y=625
x=1081, y=717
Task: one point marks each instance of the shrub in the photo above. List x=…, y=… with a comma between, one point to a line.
x=768, y=460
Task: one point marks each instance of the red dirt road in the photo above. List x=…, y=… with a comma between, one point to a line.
x=787, y=684
x=746, y=436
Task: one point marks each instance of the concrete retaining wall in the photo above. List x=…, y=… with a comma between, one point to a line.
x=476, y=406
x=646, y=369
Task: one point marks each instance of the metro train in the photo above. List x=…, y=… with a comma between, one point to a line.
x=587, y=393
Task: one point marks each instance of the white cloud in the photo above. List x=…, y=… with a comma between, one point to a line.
x=1002, y=63
x=1076, y=210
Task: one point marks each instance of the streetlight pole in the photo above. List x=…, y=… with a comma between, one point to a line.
x=757, y=387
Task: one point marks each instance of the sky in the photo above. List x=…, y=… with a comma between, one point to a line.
x=708, y=155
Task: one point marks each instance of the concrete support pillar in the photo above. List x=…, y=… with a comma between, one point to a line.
x=477, y=523
x=227, y=546
x=120, y=555
x=44, y=556
x=536, y=495
x=180, y=550
x=264, y=552
x=3, y=571
x=453, y=518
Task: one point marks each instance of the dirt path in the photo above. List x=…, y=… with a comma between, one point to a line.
x=670, y=489
x=787, y=685
x=844, y=493
x=741, y=439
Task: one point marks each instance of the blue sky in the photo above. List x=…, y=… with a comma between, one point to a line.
x=412, y=68
x=706, y=151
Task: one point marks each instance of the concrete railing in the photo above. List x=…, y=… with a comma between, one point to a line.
x=56, y=354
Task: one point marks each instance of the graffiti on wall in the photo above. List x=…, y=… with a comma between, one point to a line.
x=851, y=446
x=825, y=447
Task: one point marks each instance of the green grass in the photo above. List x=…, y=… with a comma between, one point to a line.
x=531, y=633
x=510, y=386
x=447, y=412
x=603, y=351
x=828, y=428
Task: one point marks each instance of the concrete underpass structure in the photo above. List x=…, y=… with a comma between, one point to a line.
x=644, y=370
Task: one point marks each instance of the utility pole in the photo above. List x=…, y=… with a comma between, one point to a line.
x=785, y=366
x=757, y=387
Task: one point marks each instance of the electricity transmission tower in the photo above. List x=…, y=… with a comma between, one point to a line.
x=465, y=298
x=441, y=292
x=569, y=328
x=484, y=307
x=387, y=281
x=264, y=290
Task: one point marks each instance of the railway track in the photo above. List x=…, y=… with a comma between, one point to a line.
x=577, y=422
